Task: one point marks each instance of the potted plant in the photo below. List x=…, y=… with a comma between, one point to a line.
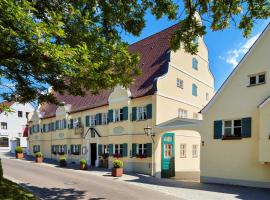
x=39, y=157
x=62, y=161
x=83, y=164
x=117, y=169
x=19, y=152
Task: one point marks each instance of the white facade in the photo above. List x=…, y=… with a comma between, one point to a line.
x=12, y=126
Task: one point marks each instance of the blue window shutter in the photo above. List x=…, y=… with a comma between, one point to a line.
x=86, y=120
x=246, y=127
x=149, y=150
x=149, y=111
x=125, y=113
x=134, y=113
x=52, y=147
x=65, y=123
x=218, y=129
x=110, y=115
x=110, y=148
x=71, y=123
x=125, y=150
x=100, y=118
x=100, y=149
x=57, y=125
x=195, y=63
x=134, y=149
x=43, y=128
x=97, y=119
x=38, y=128
x=71, y=148
x=80, y=148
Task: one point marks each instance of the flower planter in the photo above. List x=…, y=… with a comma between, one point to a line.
x=117, y=172
x=62, y=163
x=83, y=166
x=19, y=155
x=39, y=159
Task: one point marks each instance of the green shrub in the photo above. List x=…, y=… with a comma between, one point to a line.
x=62, y=159
x=38, y=154
x=83, y=162
x=19, y=149
x=118, y=164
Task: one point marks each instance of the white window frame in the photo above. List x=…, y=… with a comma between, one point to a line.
x=119, y=148
x=182, y=113
x=143, y=148
x=183, y=150
x=104, y=118
x=257, y=79
x=75, y=148
x=195, y=152
x=105, y=148
x=232, y=127
x=180, y=83
x=61, y=149
x=117, y=113
x=141, y=113
x=92, y=120
x=194, y=91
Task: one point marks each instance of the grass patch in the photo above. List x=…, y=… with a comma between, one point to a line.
x=11, y=190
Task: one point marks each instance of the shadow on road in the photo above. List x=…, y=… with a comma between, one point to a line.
x=240, y=192
x=56, y=193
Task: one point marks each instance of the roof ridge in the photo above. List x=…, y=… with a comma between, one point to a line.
x=153, y=35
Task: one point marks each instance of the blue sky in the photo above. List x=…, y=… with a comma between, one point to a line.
x=226, y=48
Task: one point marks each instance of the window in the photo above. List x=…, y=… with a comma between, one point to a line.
x=3, y=125
x=118, y=149
x=61, y=124
x=182, y=113
x=183, y=150
x=232, y=128
x=207, y=96
x=180, y=83
x=142, y=149
x=20, y=114
x=141, y=113
x=61, y=149
x=168, y=150
x=194, y=90
x=26, y=115
x=75, y=149
x=92, y=120
x=4, y=142
x=257, y=79
x=195, y=63
x=195, y=151
x=118, y=115
x=104, y=118
x=36, y=148
x=195, y=116
x=77, y=122
x=35, y=128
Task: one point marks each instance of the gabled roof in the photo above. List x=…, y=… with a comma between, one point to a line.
x=210, y=103
x=154, y=57
x=178, y=123
x=266, y=101
x=7, y=103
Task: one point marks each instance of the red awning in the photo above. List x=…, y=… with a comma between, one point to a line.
x=25, y=131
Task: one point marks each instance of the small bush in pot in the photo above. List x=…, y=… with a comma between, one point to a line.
x=19, y=152
x=39, y=157
x=83, y=164
x=62, y=161
x=117, y=169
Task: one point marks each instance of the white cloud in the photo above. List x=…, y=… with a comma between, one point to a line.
x=233, y=56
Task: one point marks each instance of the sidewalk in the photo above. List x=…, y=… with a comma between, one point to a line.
x=185, y=190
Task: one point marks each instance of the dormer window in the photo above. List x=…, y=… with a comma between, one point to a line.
x=257, y=79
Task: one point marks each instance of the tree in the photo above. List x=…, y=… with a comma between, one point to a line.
x=76, y=46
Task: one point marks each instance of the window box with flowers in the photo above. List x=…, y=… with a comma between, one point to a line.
x=75, y=149
x=141, y=156
x=142, y=150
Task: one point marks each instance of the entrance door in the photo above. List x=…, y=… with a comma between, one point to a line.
x=167, y=157
x=93, y=155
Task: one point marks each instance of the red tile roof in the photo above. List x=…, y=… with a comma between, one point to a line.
x=154, y=56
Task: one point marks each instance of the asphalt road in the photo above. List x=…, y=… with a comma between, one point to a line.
x=57, y=183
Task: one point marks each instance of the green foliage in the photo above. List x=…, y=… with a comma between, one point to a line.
x=19, y=149
x=11, y=190
x=38, y=154
x=118, y=164
x=83, y=161
x=76, y=46
x=62, y=159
